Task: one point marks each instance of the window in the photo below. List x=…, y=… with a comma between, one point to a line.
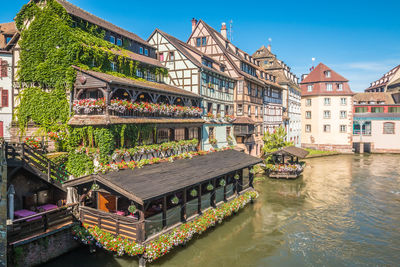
x=377, y=110
x=141, y=50
x=198, y=41
x=249, y=89
x=146, y=52
x=328, y=87
x=327, y=128
x=343, y=114
x=308, y=102
x=327, y=114
x=249, y=110
x=248, y=69
x=179, y=134
x=4, y=98
x=171, y=56
x=8, y=39
x=240, y=109
x=163, y=135
x=211, y=133
x=210, y=107
x=309, y=88
x=119, y=42
x=222, y=68
x=112, y=66
x=193, y=133
x=394, y=110
x=228, y=133
x=139, y=73
x=308, y=114
x=327, y=101
x=340, y=87
x=256, y=111
x=203, y=41
x=112, y=39
x=308, y=128
x=361, y=110
x=162, y=57
x=3, y=68
x=343, y=128
x=328, y=74
x=388, y=128
x=343, y=101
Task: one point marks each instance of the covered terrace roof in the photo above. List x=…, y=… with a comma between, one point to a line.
x=292, y=151
x=157, y=180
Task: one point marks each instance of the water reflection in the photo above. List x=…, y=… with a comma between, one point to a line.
x=343, y=211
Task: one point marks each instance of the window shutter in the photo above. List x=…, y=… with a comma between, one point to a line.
x=4, y=98
x=4, y=68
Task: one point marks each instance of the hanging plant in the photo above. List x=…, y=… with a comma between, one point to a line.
x=210, y=187
x=95, y=187
x=236, y=176
x=222, y=182
x=193, y=193
x=175, y=200
x=132, y=209
x=252, y=171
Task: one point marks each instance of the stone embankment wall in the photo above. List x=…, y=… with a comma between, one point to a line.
x=42, y=249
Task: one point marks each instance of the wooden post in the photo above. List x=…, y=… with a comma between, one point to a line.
x=240, y=182
x=226, y=183
x=141, y=227
x=212, y=194
x=164, y=212
x=251, y=178
x=183, y=206
x=199, y=201
x=48, y=171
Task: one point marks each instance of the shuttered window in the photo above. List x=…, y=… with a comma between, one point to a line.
x=3, y=68
x=388, y=128
x=4, y=98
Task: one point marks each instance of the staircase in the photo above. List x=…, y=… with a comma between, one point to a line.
x=35, y=161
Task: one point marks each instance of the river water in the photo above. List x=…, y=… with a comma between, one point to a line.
x=344, y=211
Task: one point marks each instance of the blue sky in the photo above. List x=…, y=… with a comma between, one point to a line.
x=358, y=39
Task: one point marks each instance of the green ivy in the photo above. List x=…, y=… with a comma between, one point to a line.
x=79, y=164
x=49, y=109
x=52, y=43
x=105, y=142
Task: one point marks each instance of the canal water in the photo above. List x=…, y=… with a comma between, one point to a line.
x=344, y=211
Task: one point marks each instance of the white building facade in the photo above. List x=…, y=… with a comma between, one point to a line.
x=5, y=93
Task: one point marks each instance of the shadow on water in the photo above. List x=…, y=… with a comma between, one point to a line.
x=343, y=211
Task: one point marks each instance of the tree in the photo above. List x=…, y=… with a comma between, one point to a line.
x=274, y=141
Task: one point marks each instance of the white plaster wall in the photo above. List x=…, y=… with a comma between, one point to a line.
x=6, y=84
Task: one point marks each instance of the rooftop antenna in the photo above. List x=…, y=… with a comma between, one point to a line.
x=230, y=30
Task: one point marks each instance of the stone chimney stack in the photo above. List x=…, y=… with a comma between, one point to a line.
x=223, y=30
x=194, y=23
x=269, y=48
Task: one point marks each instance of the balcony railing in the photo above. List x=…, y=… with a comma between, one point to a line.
x=240, y=130
x=272, y=100
x=364, y=132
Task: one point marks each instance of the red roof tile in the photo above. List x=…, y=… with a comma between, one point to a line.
x=318, y=75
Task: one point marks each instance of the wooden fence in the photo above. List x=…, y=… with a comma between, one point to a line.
x=115, y=224
x=39, y=223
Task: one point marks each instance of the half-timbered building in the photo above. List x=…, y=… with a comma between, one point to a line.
x=252, y=82
x=287, y=104
x=192, y=70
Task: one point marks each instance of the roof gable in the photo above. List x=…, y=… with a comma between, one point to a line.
x=318, y=75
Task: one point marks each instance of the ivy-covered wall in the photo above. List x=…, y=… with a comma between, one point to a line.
x=51, y=42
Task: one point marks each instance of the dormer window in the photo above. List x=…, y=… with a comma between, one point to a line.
x=222, y=68
x=119, y=42
x=328, y=74
x=141, y=50
x=146, y=52
x=8, y=39
x=112, y=39
x=237, y=51
x=340, y=87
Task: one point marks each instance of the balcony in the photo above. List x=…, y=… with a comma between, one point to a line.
x=272, y=100
x=243, y=130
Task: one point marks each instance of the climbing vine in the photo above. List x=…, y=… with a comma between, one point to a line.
x=51, y=43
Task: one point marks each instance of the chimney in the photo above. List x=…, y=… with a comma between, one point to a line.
x=269, y=48
x=194, y=23
x=223, y=30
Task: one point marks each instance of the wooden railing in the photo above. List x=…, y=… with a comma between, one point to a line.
x=37, y=159
x=39, y=223
x=115, y=224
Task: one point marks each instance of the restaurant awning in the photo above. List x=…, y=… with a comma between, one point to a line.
x=153, y=181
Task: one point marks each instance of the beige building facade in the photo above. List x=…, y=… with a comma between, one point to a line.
x=326, y=111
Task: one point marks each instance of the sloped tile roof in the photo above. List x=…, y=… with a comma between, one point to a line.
x=374, y=96
x=318, y=75
x=385, y=79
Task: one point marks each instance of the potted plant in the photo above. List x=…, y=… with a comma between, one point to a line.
x=132, y=209
x=213, y=141
x=175, y=200
x=210, y=187
x=193, y=192
x=222, y=182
